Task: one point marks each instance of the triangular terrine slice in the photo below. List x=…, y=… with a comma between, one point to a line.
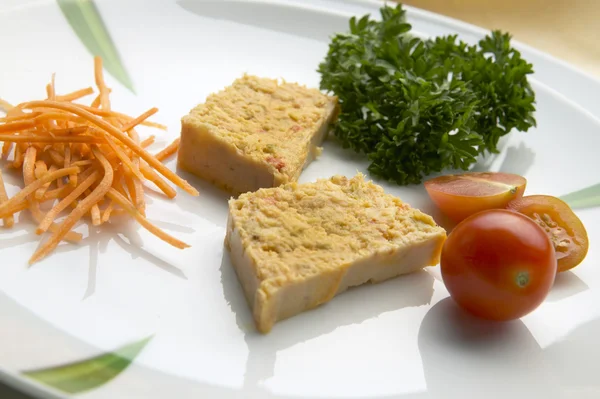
x=256, y=133
x=296, y=246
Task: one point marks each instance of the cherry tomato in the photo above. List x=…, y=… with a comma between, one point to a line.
x=460, y=196
x=567, y=233
x=498, y=264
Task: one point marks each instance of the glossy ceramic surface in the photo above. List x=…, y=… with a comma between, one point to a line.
x=402, y=339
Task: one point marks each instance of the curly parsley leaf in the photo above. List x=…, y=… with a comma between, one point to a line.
x=416, y=107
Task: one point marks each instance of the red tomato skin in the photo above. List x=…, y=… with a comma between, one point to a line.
x=483, y=256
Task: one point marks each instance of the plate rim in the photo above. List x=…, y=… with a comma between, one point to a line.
x=33, y=388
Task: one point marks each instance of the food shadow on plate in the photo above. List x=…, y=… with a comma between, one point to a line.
x=566, y=285
x=260, y=15
x=462, y=354
x=9, y=237
x=125, y=234
x=172, y=227
x=574, y=361
x=130, y=241
x=485, y=161
x=518, y=159
x=211, y=203
x=355, y=306
x=97, y=246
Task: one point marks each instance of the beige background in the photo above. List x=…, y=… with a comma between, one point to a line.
x=567, y=29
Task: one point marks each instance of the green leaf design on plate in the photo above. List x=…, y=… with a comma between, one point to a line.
x=89, y=373
x=585, y=198
x=86, y=21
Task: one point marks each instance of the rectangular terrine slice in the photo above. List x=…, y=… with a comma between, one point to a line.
x=297, y=246
x=255, y=133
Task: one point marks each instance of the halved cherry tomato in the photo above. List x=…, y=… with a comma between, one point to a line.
x=498, y=264
x=460, y=196
x=567, y=233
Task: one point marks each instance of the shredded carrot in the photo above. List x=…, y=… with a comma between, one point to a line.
x=59, y=192
x=119, y=135
x=84, y=150
x=87, y=162
x=40, y=169
x=9, y=221
x=94, y=110
x=50, y=88
x=22, y=206
x=96, y=217
x=76, y=95
x=122, y=201
x=34, y=206
x=124, y=158
x=81, y=163
x=67, y=163
x=56, y=116
x=147, y=142
x=152, y=176
x=69, y=131
x=22, y=117
x=99, y=74
x=168, y=151
x=118, y=182
x=6, y=149
x=16, y=126
x=66, y=201
x=22, y=195
x=138, y=188
x=56, y=157
x=48, y=139
x=81, y=209
x=130, y=187
x=18, y=158
x=108, y=211
x=130, y=125
x=5, y=106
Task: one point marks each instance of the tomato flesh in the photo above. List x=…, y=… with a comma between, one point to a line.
x=460, y=196
x=498, y=264
x=567, y=233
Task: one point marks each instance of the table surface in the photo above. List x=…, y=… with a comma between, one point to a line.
x=565, y=29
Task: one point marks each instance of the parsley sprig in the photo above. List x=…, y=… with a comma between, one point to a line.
x=418, y=106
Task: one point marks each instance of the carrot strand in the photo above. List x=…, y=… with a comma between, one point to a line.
x=122, y=201
x=147, y=142
x=16, y=126
x=8, y=221
x=76, y=95
x=66, y=201
x=86, y=161
x=119, y=135
x=168, y=151
x=81, y=209
x=30, y=188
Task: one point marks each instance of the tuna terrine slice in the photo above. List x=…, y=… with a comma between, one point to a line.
x=255, y=133
x=296, y=246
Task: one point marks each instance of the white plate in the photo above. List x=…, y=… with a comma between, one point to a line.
x=399, y=339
